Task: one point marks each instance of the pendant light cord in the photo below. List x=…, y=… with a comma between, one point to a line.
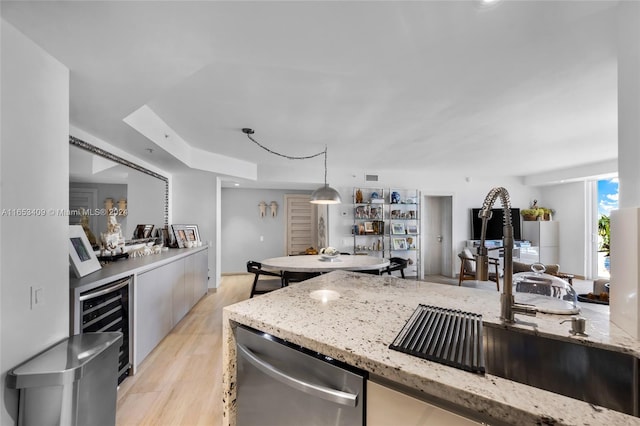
x=249, y=132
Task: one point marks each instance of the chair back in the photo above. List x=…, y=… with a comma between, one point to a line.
x=296, y=277
x=397, y=264
x=469, y=260
x=254, y=267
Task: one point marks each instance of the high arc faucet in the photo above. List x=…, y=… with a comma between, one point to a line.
x=508, y=306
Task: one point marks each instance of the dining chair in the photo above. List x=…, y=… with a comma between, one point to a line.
x=263, y=286
x=397, y=264
x=370, y=271
x=296, y=277
x=468, y=268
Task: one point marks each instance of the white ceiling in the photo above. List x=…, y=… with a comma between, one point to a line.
x=448, y=85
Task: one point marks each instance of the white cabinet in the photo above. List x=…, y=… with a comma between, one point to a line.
x=544, y=236
x=152, y=320
x=163, y=296
x=175, y=272
x=196, y=275
x=386, y=406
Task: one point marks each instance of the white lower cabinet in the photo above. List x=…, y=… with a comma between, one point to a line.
x=386, y=406
x=152, y=319
x=163, y=296
x=196, y=276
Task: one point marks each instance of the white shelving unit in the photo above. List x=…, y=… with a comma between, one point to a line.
x=386, y=223
x=369, y=214
x=404, y=228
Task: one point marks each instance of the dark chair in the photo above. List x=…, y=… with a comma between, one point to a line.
x=370, y=271
x=263, y=286
x=296, y=277
x=397, y=264
x=468, y=268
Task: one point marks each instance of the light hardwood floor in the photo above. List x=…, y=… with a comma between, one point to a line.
x=180, y=382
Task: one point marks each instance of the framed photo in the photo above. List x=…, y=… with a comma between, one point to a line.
x=81, y=255
x=368, y=227
x=179, y=232
x=144, y=231
x=412, y=229
x=192, y=233
x=397, y=228
x=399, y=244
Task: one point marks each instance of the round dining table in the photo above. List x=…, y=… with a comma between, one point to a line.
x=316, y=263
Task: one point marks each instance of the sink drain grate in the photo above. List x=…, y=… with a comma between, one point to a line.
x=447, y=336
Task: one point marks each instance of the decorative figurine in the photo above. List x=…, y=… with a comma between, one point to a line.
x=358, y=196
x=395, y=197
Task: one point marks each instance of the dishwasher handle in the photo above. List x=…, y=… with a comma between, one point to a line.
x=333, y=395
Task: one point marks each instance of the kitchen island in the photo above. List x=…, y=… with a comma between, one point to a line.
x=358, y=326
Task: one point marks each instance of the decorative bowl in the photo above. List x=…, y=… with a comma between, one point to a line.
x=329, y=256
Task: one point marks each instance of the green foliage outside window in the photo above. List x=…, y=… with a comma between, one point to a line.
x=605, y=233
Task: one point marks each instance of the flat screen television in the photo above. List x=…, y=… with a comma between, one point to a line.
x=494, y=225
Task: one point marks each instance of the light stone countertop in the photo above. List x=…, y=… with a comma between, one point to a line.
x=358, y=327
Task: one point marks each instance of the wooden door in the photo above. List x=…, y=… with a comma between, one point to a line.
x=301, y=224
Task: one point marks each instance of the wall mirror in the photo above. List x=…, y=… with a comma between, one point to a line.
x=98, y=179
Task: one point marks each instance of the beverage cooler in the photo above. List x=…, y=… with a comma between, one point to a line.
x=107, y=309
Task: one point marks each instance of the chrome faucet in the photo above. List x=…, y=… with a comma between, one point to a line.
x=508, y=306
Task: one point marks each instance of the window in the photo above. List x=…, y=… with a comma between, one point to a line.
x=607, y=201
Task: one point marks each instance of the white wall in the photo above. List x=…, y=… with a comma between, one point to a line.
x=193, y=196
x=34, y=173
x=242, y=227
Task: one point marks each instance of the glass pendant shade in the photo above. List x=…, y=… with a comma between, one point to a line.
x=325, y=195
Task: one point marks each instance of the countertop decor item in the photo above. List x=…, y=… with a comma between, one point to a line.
x=82, y=257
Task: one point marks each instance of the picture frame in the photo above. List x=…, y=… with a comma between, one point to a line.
x=397, y=228
x=193, y=234
x=368, y=227
x=180, y=234
x=399, y=244
x=143, y=231
x=81, y=255
x=412, y=229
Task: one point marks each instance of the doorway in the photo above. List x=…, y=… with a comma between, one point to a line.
x=301, y=231
x=438, y=235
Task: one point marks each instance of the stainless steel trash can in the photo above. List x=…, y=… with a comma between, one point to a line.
x=72, y=383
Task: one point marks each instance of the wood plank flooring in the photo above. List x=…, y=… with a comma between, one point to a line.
x=180, y=382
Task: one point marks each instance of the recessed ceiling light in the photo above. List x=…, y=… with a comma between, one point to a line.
x=485, y=4
x=236, y=184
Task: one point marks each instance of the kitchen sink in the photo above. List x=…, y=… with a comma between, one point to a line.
x=595, y=375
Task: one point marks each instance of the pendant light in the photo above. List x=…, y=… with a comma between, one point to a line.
x=322, y=195
x=325, y=194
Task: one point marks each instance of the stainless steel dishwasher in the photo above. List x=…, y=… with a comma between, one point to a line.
x=283, y=384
